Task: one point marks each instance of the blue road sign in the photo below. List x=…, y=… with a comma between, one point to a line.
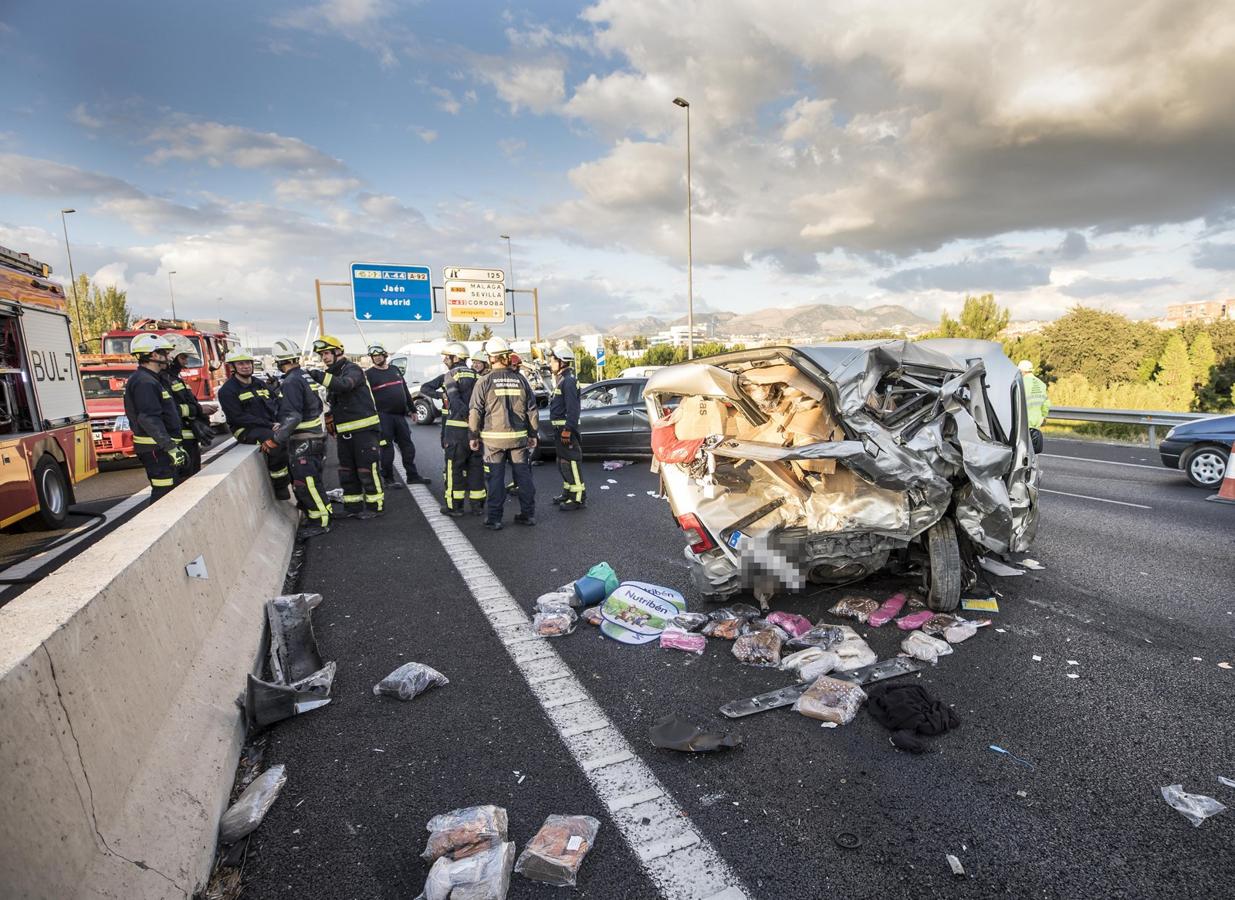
x=382, y=292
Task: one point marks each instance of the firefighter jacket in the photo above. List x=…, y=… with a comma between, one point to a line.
x=1037, y=404
x=247, y=405
x=503, y=410
x=300, y=409
x=186, y=402
x=456, y=387
x=390, y=393
x=351, y=398
x=564, y=401
x=153, y=415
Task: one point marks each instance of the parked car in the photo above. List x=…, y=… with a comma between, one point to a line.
x=613, y=420
x=789, y=466
x=1202, y=449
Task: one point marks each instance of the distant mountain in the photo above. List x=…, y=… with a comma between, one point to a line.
x=573, y=332
x=813, y=320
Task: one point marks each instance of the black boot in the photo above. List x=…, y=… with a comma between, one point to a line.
x=451, y=511
x=560, y=499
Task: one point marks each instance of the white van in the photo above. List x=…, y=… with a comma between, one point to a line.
x=421, y=361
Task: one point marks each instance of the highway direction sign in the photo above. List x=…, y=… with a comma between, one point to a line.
x=385, y=292
x=475, y=295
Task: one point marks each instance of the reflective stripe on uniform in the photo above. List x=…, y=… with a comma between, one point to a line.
x=162, y=482
x=508, y=392
x=247, y=395
x=323, y=511
x=367, y=422
x=456, y=423
x=278, y=473
x=180, y=386
x=142, y=439
x=185, y=412
x=239, y=433
x=313, y=423
x=467, y=373
x=326, y=379
x=501, y=435
x=478, y=494
x=577, y=487
x=187, y=435
x=353, y=498
x=380, y=496
x=558, y=422
x=166, y=396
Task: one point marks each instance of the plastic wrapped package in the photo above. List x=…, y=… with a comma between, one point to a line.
x=859, y=608
x=677, y=639
x=690, y=621
x=727, y=629
x=914, y=620
x=821, y=637
x=962, y=631
x=831, y=700
x=557, y=851
x=409, y=680
x=761, y=648
x=483, y=876
x=554, y=621
x=243, y=816
x=853, y=651
x=743, y=611
x=924, y=647
x=592, y=615
x=887, y=611
x=1196, y=808
x=794, y=661
x=937, y=624
x=755, y=625
x=563, y=596
x=826, y=662
x=791, y=623
x=464, y=832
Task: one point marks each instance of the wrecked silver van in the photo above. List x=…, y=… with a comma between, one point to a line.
x=789, y=466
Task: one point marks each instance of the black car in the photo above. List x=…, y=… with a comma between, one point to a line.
x=1201, y=448
x=613, y=420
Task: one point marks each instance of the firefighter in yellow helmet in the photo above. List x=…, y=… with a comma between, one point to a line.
x=153, y=416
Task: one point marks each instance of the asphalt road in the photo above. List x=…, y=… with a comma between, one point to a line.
x=1135, y=600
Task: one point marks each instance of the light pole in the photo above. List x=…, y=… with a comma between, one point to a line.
x=510, y=264
x=81, y=335
x=690, y=262
x=171, y=290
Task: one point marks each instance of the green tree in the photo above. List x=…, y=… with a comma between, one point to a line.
x=457, y=331
x=1105, y=347
x=484, y=334
x=981, y=318
x=883, y=334
x=1027, y=346
x=102, y=309
x=585, y=366
x=639, y=342
x=1204, y=358
x=1175, y=377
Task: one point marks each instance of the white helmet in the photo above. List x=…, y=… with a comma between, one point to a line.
x=239, y=356
x=563, y=352
x=1025, y=366
x=180, y=345
x=455, y=349
x=285, y=350
x=496, y=345
x=479, y=356
x=145, y=344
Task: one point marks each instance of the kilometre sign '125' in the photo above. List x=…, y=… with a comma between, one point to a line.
x=475, y=295
x=389, y=292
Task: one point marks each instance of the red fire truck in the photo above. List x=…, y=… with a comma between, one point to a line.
x=45, y=441
x=104, y=375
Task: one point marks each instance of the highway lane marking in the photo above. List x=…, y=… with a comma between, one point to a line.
x=1109, y=462
x=678, y=859
x=1098, y=499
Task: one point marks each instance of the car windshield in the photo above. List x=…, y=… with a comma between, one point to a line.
x=105, y=385
x=120, y=345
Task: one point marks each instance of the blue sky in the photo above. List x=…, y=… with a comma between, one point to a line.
x=853, y=153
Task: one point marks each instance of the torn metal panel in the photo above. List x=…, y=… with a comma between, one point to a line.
x=293, y=646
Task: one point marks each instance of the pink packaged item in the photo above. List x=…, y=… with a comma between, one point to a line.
x=794, y=624
x=673, y=639
x=914, y=620
x=887, y=611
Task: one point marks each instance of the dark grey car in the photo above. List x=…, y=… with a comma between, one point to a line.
x=613, y=420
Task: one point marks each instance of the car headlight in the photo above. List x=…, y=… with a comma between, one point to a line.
x=122, y=424
x=1170, y=434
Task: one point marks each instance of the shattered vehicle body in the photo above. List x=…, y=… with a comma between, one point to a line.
x=791, y=466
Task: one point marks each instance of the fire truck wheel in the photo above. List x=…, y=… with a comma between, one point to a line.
x=53, y=494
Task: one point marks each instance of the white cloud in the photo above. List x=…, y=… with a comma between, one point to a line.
x=313, y=189
x=218, y=144
x=446, y=100
x=33, y=177
x=83, y=117
x=511, y=147
x=428, y=135
x=535, y=87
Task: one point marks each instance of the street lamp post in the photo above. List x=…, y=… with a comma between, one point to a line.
x=690, y=263
x=510, y=263
x=81, y=335
x=171, y=290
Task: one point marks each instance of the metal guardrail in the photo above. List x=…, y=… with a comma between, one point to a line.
x=1149, y=418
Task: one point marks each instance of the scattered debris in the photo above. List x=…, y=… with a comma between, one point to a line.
x=485, y=876
x=957, y=869
x=1037, y=658
x=822, y=637
x=612, y=465
x=1073, y=662
x=1227, y=781
x=1196, y=808
x=592, y=616
x=887, y=611
x=1032, y=564
x=760, y=648
x=677, y=639
x=911, y=713
x=1073, y=675
x=563, y=596
x=636, y=612
x=673, y=732
x=1224, y=665
x=914, y=620
x=859, y=608
x=604, y=487
x=556, y=853
x=554, y=621
x=999, y=569
x=830, y=700
x=924, y=647
x=1011, y=756
x=243, y=816
x=465, y=832
x=690, y=621
x=611, y=480
x=792, y=623
x=787, y=696
x=980, y=604
x=825, y=664
x=409, y=680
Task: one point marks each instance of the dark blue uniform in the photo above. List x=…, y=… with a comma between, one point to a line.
x=358, y=432
x=300, y=427
x=465, y=468
x=250, y=411
x=394, y=405
x=564, y=416
x=155, y=422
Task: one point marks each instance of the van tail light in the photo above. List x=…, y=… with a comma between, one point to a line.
x=696, y=535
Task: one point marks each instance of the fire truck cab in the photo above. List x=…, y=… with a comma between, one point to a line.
x=45, y=440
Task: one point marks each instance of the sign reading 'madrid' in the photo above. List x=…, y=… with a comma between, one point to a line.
x=385, y=292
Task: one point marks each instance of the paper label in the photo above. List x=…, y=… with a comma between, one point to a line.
x=574, y=843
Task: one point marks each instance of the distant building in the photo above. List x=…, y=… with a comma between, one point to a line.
x=1204, y=311
x=678, y=335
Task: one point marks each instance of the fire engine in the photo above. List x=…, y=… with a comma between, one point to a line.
x=104, y=375
x=45, y=440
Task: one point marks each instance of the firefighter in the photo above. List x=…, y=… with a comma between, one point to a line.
x=357, y=429
x=394, y=405
x=299, y=430
x=503, y=414
x=564, y=416
x=153, y=416
x=250, y=411
x=195, y=430
x=464, y=469
x=480, y=363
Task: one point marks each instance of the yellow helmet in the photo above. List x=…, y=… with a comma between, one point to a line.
x=327, y=342
x=239, y=356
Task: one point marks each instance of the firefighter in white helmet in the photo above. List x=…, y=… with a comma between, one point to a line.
x=463, y=471
x=300, y=426
x=195, y=430
x=250, y=411
x=564, y=416
x=153, y=416
x=503, y=415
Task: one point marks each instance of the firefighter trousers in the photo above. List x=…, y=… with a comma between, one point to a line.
x=569, y=456
x=276, y=460
x=464, y=476
x=160, y=471
x=520, y=461
x=306, y=458
x=359, y=458
x=397, y=432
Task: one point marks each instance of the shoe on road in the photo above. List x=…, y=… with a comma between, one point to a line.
x=560, y=499
x=525, y=520
x=418, y=479
x=393, y=485
x=311, y=531
x=368, y=514
x=453, y=513
x=571, y=505
x=493, y=526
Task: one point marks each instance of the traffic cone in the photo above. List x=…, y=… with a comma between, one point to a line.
x=1226, y=493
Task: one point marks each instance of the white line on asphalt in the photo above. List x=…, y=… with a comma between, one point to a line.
x=1098, y=499
x=1109, y=462
x=680, y=861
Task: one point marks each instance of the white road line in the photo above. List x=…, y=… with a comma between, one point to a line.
x=1109, y=462
x=679, y=860
x=1098, y=499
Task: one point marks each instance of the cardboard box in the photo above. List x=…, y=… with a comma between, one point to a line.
x=700, y=417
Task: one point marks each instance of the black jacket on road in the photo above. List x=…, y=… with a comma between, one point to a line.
x=153, y=416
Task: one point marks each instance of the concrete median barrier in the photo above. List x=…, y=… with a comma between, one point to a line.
x=119, y=731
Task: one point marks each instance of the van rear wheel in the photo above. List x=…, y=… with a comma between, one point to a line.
x=53, y=493
x=944, y=575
